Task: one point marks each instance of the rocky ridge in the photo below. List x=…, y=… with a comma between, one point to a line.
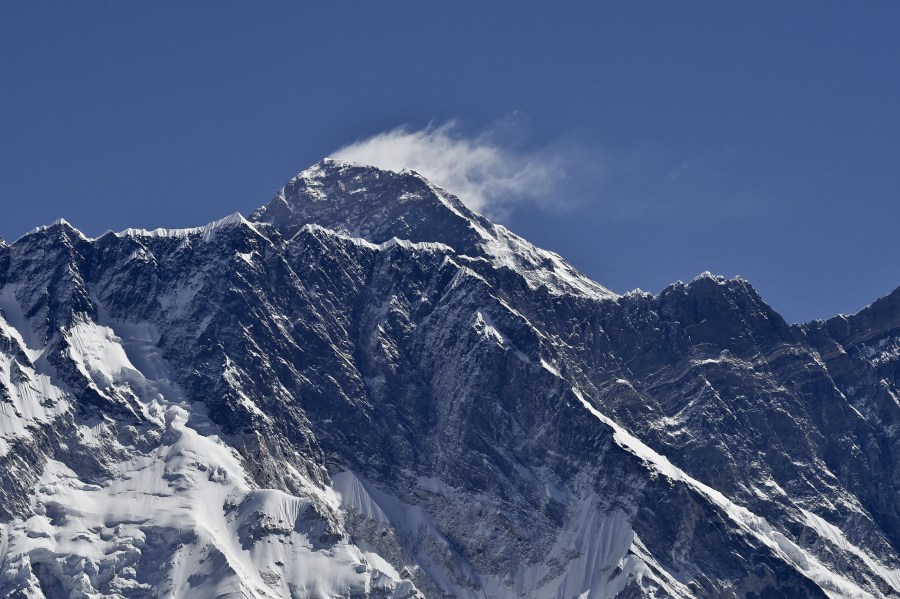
x=366, y=390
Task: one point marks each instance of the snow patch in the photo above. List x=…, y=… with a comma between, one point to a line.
x=756, y=526
x=425, y=246
x=16, y=325
x=205, y=232
x=835, y=536
x=184, y=510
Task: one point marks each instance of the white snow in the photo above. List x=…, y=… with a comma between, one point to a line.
x=18, y=326
x=836, y=537
x=599, y=551
x=33, y=397
x=831, y=583
x=59, y=221
x=425, y=246
x=205, y=232
x=539, y=268
x=411, y=523
x=181, y=489
x=507, y=249
x=353, y=494
x=485, y=326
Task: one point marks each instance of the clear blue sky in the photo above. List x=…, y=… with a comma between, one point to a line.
x=755, y=138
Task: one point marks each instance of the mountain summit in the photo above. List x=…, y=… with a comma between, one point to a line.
x=378, y=205
x=367, y=390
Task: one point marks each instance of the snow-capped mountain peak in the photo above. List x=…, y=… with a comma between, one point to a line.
x=368, y=390
x=377, y=205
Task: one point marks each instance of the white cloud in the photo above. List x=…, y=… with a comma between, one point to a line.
x=494, y=171
x=489, y=177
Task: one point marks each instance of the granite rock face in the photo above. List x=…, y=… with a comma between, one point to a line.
x=367, y=390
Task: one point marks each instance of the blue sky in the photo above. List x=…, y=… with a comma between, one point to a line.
x=658, y=139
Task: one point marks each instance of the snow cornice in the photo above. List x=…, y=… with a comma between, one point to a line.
x=205, y=232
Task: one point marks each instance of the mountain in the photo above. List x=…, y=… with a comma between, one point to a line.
x=367, y=390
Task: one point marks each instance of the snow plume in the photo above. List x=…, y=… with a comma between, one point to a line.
x=489, y=176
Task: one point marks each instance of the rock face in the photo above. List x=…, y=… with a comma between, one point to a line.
x=367, y=390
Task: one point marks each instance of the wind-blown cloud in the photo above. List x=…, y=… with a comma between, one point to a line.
x=489, y=177
x=493, y=172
